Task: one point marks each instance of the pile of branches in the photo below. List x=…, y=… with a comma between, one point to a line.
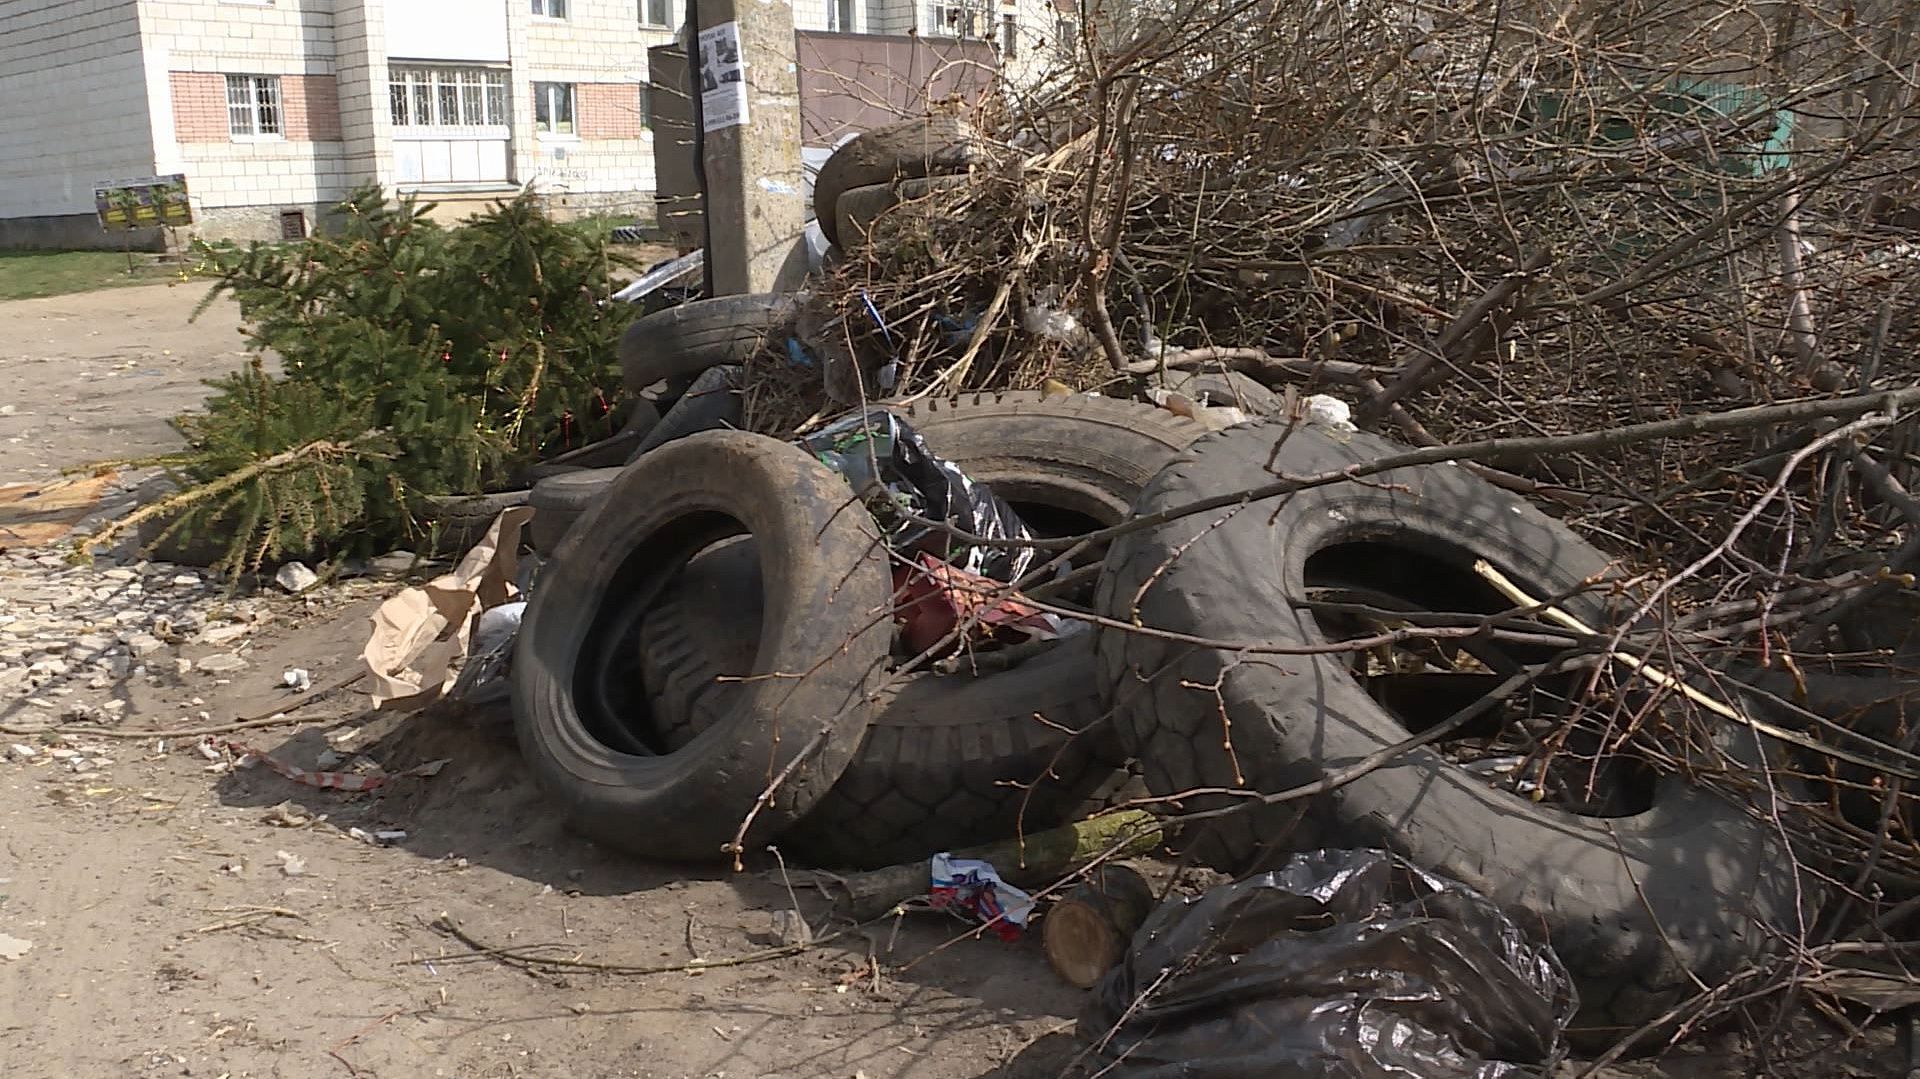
x=1553, y=237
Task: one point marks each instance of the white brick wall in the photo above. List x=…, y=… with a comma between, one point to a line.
x=280, y=37
x=600, y=41
x=265, y=173
x=73, y=103
x=283, y=37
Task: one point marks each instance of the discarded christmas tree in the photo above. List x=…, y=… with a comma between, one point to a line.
x=415, y=360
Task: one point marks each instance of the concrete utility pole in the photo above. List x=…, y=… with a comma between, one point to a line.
x=755, y=205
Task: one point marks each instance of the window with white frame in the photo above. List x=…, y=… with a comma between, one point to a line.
x=1066, y=36
x=840, y=16
x=447, y=96
x=553, y=107
x=253, y=105
x=1009, y=37
x=953, y=20
x=656, y=13
x=551, y=9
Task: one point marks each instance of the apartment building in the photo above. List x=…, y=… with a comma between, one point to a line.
x=276, y=109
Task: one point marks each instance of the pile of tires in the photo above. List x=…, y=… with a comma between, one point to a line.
x=716, y=616
x=708, y=666
x=1646, y=897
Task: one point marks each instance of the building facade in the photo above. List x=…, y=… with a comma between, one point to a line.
x=277, y=109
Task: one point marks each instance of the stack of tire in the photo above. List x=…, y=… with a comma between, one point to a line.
x=716, y=618
x=710, y=647
x=880, y=169
x=706, y=665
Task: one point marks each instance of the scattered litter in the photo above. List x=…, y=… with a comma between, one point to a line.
x=296, y=577
x=222, y=634
x=378, y=837
x=421, y=632
x=13, y=947
x=888, y=464
x=933, y=598
x=1214, y=417
x=792, y=929
x=1331, y=413
x=1350, y=963
x=484, y=677
x=298, y=679
x=291, y=864
x=209, y=749
x=332, y=781
x=286, y=815
x=1052, y=323
x=974, y=887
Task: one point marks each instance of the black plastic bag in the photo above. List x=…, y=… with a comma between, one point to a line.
x=888, y=463
x=1342, y=963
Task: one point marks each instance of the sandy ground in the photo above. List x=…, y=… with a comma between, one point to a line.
x=168, y=938
x=98, y=374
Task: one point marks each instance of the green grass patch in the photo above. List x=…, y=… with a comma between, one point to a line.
x=29, y=274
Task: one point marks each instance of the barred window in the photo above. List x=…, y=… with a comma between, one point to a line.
x=253, y=105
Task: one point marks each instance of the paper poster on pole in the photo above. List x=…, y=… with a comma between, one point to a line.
x=723, y=78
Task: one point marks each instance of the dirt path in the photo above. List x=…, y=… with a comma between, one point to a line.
x=99, y=374
x=159, y=907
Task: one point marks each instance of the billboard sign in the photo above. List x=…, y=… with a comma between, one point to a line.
x=144, y=203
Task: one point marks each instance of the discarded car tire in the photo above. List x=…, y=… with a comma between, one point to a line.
x=1229, y=389
x=827, y=596
x=459, y=521
x=559, y=501
x=909, y=150
x=683, y=341
x=859, y=208
x=950, y=760
x=1636, y=905
x=610, y=452
x=1090, y=456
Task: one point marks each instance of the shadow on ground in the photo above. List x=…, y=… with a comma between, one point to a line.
x=936, y=981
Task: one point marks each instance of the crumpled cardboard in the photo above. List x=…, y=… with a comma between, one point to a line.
x=421, y=633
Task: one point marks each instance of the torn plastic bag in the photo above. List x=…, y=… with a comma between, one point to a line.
x=884, y=459
x=1342, y=963
x=484, y=679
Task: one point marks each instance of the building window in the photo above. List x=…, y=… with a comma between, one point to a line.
x=1066, y=36
x=447, y=96
x=646, y=107
x=1009, y=38
x=253, y=105
x=952, y=20
x=840, y=16
x=656, y=12
x=551, y=9
x=553, y=107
